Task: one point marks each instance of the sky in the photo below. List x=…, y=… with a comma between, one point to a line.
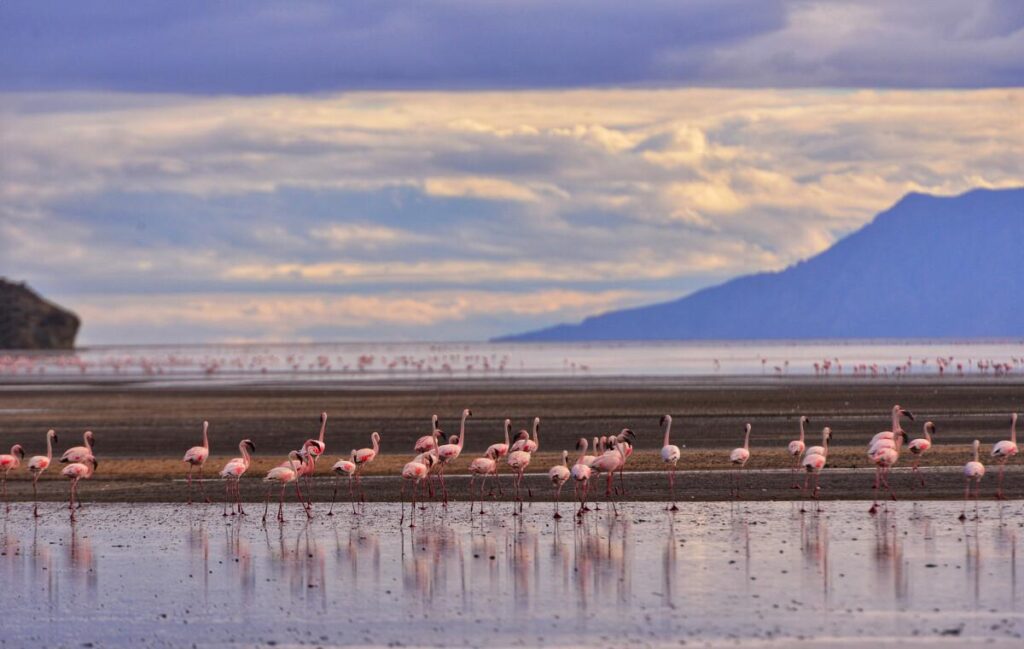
x=453, y=170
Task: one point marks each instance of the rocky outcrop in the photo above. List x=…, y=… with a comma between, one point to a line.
x=27, y=321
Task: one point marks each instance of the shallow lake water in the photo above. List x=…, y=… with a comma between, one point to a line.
x=751, y=574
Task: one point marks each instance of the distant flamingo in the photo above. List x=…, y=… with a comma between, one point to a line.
x=448, y=453
x=815, y=460
x=8, y=463
x=362, y=457
x=196, y=457
x=80, y=453
x=344, y=468
x=1003, y=451
x=609, y=462
x=415, y=471
x=796, y=450
x=581, y=473
x=670, y=455
x=76, y=471
x=973, y=470
x=428, y=442
x=519, y=460
x=920, y=446
x=481, y=467
x=233, y=472
x=559, y=475
x=282, y=475
x=39, y=463
x=739, y=457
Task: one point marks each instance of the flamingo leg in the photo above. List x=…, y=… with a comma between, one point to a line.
x=35, y=496
x=999, y=482
x=202, y=485
x=352, y=495
x=483, y=481
x=412, y=510
x=334, y=496
x=280, y=503
x=401, y=499
x=71, y=501
x=7, y=504
x=558, y=499
x=266, y=504
x=472, y=501
x=227, y=496
x=622, y=480
x=967, y=494
x=793, y=472
x=190, y=468
x=444, y=487
x=238, y=496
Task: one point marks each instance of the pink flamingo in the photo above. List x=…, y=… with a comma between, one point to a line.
x=625, y=437
x=739, y=457
x=450, y=452
x=282, y=475
x=1003, y=451
x=416, y=471
x=318, y=446
x=305, y=468
x=39, y=463
x=233, y=472
x=815, y=460
x=559, y=475
x=885, y=454
x=362, y=457
x=670, y=455
x=482, y=467
x=196, y=457
x=527, y=444
x=498, y=451
x=519, y=460
x=428, y=442
x=973, y=470
x=75, y=472
x=891, y=435
x=344, y=468
x=580, y=474
x=80, y=453
x=796, y=449
x=8, y=463
x=609, y=462
x=920, y=446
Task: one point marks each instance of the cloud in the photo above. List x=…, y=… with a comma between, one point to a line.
x=307, y=46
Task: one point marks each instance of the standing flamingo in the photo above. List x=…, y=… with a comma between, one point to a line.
x=450, y=452
x=344, y=468
x=318, y=446
x=581, y=473
x=416, y=471
x=519, y=460
x=233, y=472
x=39, y=463
x=305, y=469
x=80, y=453
x=428, y=442
x=891, y=435
x=524, y=443
x=196, y=457
x=362, y=457
x=739, y=457
x=1003, y=451
x=885, y=453
x=920, y=446
x=481, y=467
x=796, y=449
x=282, y=475
x=76, y=471
x=7, y=464
x=498, y=451
x=609, y=462
x=670, y=455
x=559, y=475
x=626, y=437
x=973, y=470
x=814, y=461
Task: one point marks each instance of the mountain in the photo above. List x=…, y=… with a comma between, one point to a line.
x=929, y=267
x=27, y=321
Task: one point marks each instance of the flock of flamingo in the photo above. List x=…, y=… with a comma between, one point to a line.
x=434, y=453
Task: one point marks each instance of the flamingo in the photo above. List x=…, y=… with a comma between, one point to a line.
x=362, y=457
x=80, y=453
x=609, y=462
x=233, y=471
x=670, y=455
x=8, y=463
x=1003, y=451
x=580, y=474
x=196, y=457
x=346, y=468
x=75, y=472
x=739, y=457
x=559, y=475
x=885, y=454
x=797, y=448
x=498, y=451
x=428, y=442
x=814, y=461
x=483, y=467
x=451, y=451
x=519, y=460
x=589, y=459
x=524, y=443
x=891, y=435
x=39, y=463
x=973, y=470
x=626, y=437
x=416, y=471
x=318, y=446
x=283, y=475
x=920, y=446
x=306, y=468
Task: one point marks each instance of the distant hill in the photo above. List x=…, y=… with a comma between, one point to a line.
x=928, y=267
x=27, y=321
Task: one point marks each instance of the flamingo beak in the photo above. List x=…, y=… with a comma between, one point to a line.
x=909, y=415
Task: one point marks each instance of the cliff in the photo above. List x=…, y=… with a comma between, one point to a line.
x=27, y=321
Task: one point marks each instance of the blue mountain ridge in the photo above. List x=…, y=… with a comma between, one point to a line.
x=928, y=267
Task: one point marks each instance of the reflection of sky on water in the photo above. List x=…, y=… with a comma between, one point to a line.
x=151, y=574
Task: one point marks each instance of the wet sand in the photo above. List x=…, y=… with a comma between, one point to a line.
x=143, y=429
x=714, y=574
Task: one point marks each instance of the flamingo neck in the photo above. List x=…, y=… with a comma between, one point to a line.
x=801, y=429
x=668, y=430
x=87, y=440
x=746, y=440
x=323, y=428
x=583, y=451
x=1013, y=429
x=976, y=452
x=462, y=431
x=896, y=428
x=49, y=446
x=536, y=431
x=565, y=459
x=206, y=438
x=376, y=443
x=928, y=434
x=508, y=429
x=245, y=454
